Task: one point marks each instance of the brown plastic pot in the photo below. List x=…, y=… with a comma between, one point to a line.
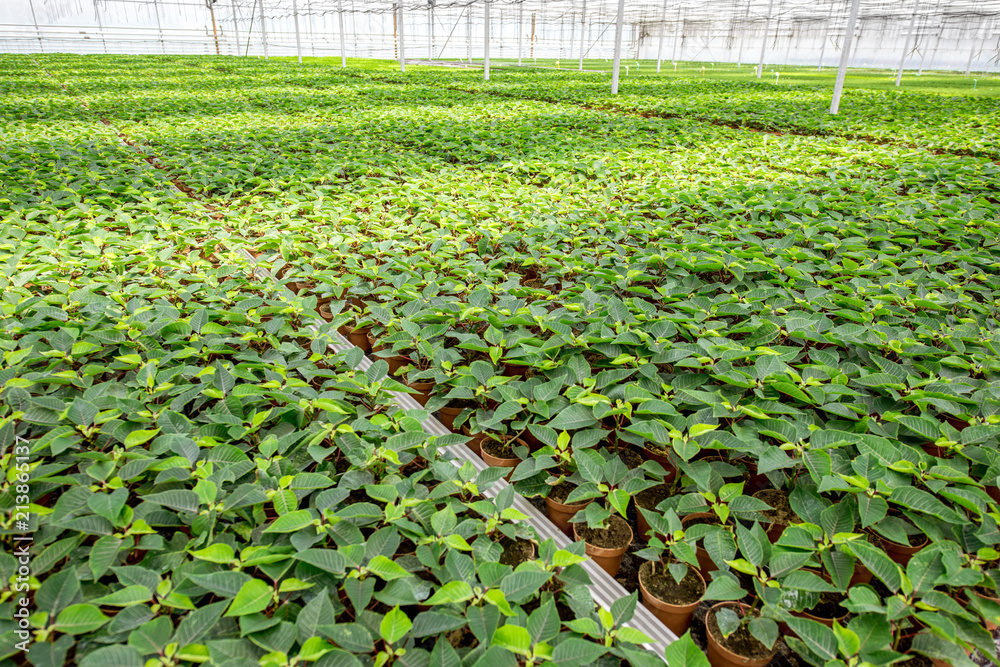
x=610, y=560
x=677, y=617
x=497, y=462
x=901, y=553
x=357, y=337
x=476, y=443
x=560, y=514
x=664, y=461
x=705, y=563
x=448, y=417
x=862, y=575
x=423, y=390
x=515, y=370
x=719, y=655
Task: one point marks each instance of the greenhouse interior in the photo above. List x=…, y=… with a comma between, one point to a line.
x=500, y=333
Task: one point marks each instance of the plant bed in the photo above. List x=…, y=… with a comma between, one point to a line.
x=499, y=453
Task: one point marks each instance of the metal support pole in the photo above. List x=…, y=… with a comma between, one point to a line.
x=763, y=45
x=663, y=29
x=457, y=21
x=236, y=27
x=520, y=30
x=343, y=39
x=906, y=43
x=968, y=65
x=618, y=48
x=845, y=55
x=298, y=40
x=937, y=43
x=402, y=40
x=486, y=40
x=41, y=48
x=159, y=28
x=826, y=37
x=430, y=30
x=743, y=37
x=100, y=25
x=468, y=35
x=583, y=31
x=677, y=34
x=215, y=33
x=532, y=54
x=263, y=27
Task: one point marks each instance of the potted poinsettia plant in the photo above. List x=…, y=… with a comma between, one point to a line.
x=671, y=585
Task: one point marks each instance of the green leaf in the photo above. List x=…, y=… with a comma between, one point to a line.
x=386, y=569
x=125, y=597
x=80, y=619
x=254, y=597
x=291, y=522
x=451, y=593
x=575, y=652
x=684, y=653
x=394, y=626
x=215, y=553
x=113, y=656
x=513, y=638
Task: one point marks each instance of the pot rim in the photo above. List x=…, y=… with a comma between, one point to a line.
x=673, y=606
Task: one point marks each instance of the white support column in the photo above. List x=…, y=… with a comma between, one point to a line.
x=906, y=43
x=618, y=48
x=159, y=28
x=263, y=27
x=677, y=34
x=743, y=36
x=826, y=37
x=468, y=35
x=486, y=40
x=583, y=32
x=402, y=41
x=236, y=26
x=763, y=44
x=38, y=33
x=845, y=55
x=430, y=30
x=663, y=29
x=298, y=40
x=100, y=26
x=343, y=39
x=520, y=30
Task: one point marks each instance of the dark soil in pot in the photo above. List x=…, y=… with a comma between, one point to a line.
x=661, y=583
x=516, y=552
x=782, y=513
x=740, y=642
x=630, y=457
x=502, y=449
x=615, y=536
x=560, y=492
x=648, y=499
x=829, y=606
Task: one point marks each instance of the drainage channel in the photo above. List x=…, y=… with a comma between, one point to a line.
x=604, y=589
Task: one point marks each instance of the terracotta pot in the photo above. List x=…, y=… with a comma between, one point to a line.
x=502, y=463
x=357, y=337
x=423, y=390
x=994, y=493
x=720, y=656
x=828, y=622
x=862, y=575
x=677, y=617
x=325, y=312
x=560, y=514
x=371, y=343
x=934, y=450
x=901, y=553
x=610, y=560
x=664, y=461
x=396, y=362
x=705, y=563
x=476, y=443
x=514, y=370
x=448, y=417
x=774, y=530
x=533, y=443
